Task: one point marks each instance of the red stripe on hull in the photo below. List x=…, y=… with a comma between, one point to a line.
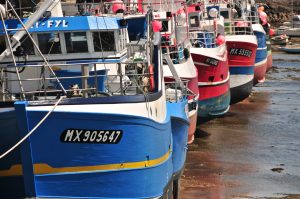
x=260, y=72
x=239, y=53
x=207, y=92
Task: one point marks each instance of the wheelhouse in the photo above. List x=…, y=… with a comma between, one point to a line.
x=62, y=39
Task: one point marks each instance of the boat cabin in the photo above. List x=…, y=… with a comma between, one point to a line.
x=88, y=54
x=65, y=39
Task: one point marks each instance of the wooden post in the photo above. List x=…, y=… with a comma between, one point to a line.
x=84, y=80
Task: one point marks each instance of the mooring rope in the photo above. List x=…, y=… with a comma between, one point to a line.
x=33, y=130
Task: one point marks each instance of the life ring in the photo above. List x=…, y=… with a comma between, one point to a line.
x=151, y=78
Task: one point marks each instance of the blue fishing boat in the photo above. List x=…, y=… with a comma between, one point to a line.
x=178, y=106
x=97, y=118
x=261, y=59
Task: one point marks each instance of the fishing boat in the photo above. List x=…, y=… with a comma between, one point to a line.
x=280, y=40
x=209, y=54
x=294, y=48
x=261, y=58
x=174, y=71
x=175, y=48
x=96, y=121
x=241, y=46
x=270, y=57
x=176, y=45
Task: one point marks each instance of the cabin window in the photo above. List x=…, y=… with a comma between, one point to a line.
x=225, y=14
x=27, y=45
x=2, y=44
x=165, y=26
x=76, y=42
x=49, y=43
x=194, y=21
x=104, y=41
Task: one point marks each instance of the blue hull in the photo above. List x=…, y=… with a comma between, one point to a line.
x=10, y=187
x=261, y=55
x=261, y=52
x=139, y=166
x=180, y=125
x=214, y=106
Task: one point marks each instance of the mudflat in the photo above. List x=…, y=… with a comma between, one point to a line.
x=254, y=150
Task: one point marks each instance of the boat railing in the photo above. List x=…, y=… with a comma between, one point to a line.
x=101, y=8
x=253, y=18
x=176, y=91
x=238, y=27
x=203, y=39
x=85, y=80
x=176, y=51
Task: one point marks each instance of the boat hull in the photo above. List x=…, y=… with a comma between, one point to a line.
x=242, y=91
x=215, y=106
x=137, y=166
x=213, y=80
x=187, y=71
x=180, y=125
x=270, y=61
x=261, y=59
x=11, y=186
x=260, y=71
x=241, y=52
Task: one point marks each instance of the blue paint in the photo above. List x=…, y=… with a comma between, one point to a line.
x=180, y=125
x=26, y=149
x=261, y=52
x=77, y=23
x=137, y=28
x=142, y=139
x=241, y=70
x=10, y=187
x=261, y=55
x=214, y=106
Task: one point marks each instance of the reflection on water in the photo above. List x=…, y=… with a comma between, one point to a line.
x=237, y=153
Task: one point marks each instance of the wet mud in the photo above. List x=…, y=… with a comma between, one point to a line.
x=254, y=150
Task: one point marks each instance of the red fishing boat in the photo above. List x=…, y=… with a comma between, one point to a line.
x=241, y=45
x=209, y=54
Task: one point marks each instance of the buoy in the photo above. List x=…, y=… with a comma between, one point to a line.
x=272, y=32
x=118, y=7
x=241, y=24
x=220, y=40
x=151, y=78
x=156, y=25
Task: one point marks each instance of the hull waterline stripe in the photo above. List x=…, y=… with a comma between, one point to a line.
x=41, y=169
x=214, y=83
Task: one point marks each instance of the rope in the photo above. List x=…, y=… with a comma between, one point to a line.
x=33, y=130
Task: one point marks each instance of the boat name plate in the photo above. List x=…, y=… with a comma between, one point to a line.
x=91, y=136
x=240, y=51
x=212, y=61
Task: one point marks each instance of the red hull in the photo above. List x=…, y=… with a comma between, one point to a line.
x=260, y=72
x=213, y=80
x=241, y=53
